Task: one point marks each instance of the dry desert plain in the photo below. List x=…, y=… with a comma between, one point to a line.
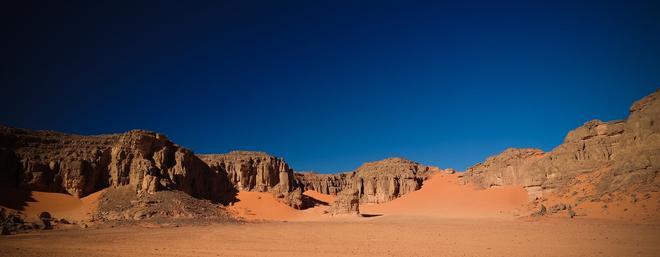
x=443, y=218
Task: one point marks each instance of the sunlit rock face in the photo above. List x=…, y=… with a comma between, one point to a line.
x=627, y=153
x=80, y=165
x=373, y=182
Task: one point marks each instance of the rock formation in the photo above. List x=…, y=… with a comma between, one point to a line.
x=257, y=171
x=330, y=184
x=347, y=202
x=373, y=182
x=80, y=165
x=625, y=154
x=388, y=179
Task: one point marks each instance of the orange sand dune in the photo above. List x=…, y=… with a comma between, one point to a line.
x=443, y=196
x=264, y=206
x=328, y=199
x=261, y=206
x=59, y=205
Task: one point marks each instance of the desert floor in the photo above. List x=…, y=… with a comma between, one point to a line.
x=377, y=236
x=443, y=218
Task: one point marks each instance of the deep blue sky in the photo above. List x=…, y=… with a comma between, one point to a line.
x=329, y=85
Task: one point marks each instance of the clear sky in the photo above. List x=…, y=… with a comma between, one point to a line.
x=329, y=85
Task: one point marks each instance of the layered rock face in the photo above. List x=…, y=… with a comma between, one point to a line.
x=388, y=179
x=347, y=202
x=257, y=171
x=330, y=184
x=373, y=182
x=625, y=153
x=80, y=165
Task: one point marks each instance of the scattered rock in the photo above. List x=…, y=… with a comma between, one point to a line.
x=571, y=213
x=557, y=208
x=45, y=216
x=542, y=211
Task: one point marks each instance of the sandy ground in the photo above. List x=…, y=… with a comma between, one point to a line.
x=441, y=219
x=378, y=236
x=57, y=204
x=442, y=196
x=259, y=206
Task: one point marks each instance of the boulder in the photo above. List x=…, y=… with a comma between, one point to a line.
x=347, y=202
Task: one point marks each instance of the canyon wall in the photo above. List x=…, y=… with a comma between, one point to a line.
x=373, y=182
x=257, y=171
x=625, y=154
x=80, y=165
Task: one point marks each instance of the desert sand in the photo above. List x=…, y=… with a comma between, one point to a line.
x=442, y=196
x=443, y=218
x=378, y=236
x=60, y=205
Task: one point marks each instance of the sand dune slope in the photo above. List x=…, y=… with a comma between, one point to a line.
x=264, y=206
x=443, y=196
x=59, y=205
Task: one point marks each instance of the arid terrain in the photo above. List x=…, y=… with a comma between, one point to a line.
x=139, y=194
x=383, y=236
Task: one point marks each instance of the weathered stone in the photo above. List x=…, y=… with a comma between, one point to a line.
x=347, y=202
x=625, y=153
x=373, y=182
x=80, y=165
x=329, y=184
x=257, y=171
x=541, y=212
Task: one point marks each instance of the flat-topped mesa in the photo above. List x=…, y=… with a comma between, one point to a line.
x=626, y=154
x=257, y=171
x=80, y=165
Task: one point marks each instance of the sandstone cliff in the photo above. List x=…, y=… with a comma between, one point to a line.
x=624, y=154
x=80, y=165
x=257, y=171
x=330, y=184
x=373, y=182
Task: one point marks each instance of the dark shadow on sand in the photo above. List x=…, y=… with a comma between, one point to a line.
x=15, y=198
x=370, y=215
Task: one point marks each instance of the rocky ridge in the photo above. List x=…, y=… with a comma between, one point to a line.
x=80, y=165
x=617, y=156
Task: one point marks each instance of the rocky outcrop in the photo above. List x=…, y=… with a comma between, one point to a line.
x=388, y=179
x=80, y=165
x=625, y=153
x=257, y=171
x=510, y=167
x=347, y=202
x=329, y=184
x=373, y=182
